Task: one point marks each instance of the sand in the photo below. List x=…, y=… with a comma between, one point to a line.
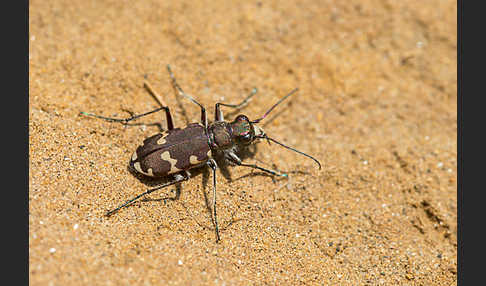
x=376, y=106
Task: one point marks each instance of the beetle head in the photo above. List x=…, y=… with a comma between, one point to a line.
x=244, y=131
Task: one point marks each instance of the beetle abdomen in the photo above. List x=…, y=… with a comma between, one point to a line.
x=172, y=151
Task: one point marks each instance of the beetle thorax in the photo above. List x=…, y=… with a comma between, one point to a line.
x=220, y=135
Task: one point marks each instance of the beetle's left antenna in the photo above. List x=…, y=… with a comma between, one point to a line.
x=275, y=105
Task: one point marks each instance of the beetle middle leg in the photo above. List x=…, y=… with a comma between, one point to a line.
x=212, y=164
x=177, y=179
x=230, y=155
x=218, y=114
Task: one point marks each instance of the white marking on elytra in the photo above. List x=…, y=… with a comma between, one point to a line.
x=193, y=160
x=166, y=156
x=210, y=154
x=137, y=167
x=134, y=156
x=162, y=140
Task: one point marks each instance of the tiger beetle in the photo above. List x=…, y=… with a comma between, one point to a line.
x=175, y=151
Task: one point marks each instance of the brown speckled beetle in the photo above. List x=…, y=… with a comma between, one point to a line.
x=176, y=151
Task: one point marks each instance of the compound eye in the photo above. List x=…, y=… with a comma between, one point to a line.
x=242, y=117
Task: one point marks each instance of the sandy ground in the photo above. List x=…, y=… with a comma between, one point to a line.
x=376, y=106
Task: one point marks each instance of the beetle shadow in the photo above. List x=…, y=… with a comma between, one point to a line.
x=152, y=182
x=223, y=165
x=206, y=173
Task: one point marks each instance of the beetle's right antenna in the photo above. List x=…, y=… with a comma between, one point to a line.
x=290, y=148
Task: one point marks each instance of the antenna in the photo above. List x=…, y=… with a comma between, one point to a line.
x=271, y=108
x=290, y=148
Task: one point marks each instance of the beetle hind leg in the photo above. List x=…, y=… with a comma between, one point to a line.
x=125, y=121
x=177, y=179
x=204, y=118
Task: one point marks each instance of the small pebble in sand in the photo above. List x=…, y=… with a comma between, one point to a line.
x=52, y=250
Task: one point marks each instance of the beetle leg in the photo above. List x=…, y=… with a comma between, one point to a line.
x=204, y=118
x=212, y=164
x=235, y=159
x=124, y=121
x=177, y=179
x=218, y=114
x=158, y=98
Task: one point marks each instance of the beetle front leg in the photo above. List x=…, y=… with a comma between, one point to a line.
x=235, y=159
x=212, y=164
x=218, y=114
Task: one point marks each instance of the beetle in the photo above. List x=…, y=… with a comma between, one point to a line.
x=177, y=150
